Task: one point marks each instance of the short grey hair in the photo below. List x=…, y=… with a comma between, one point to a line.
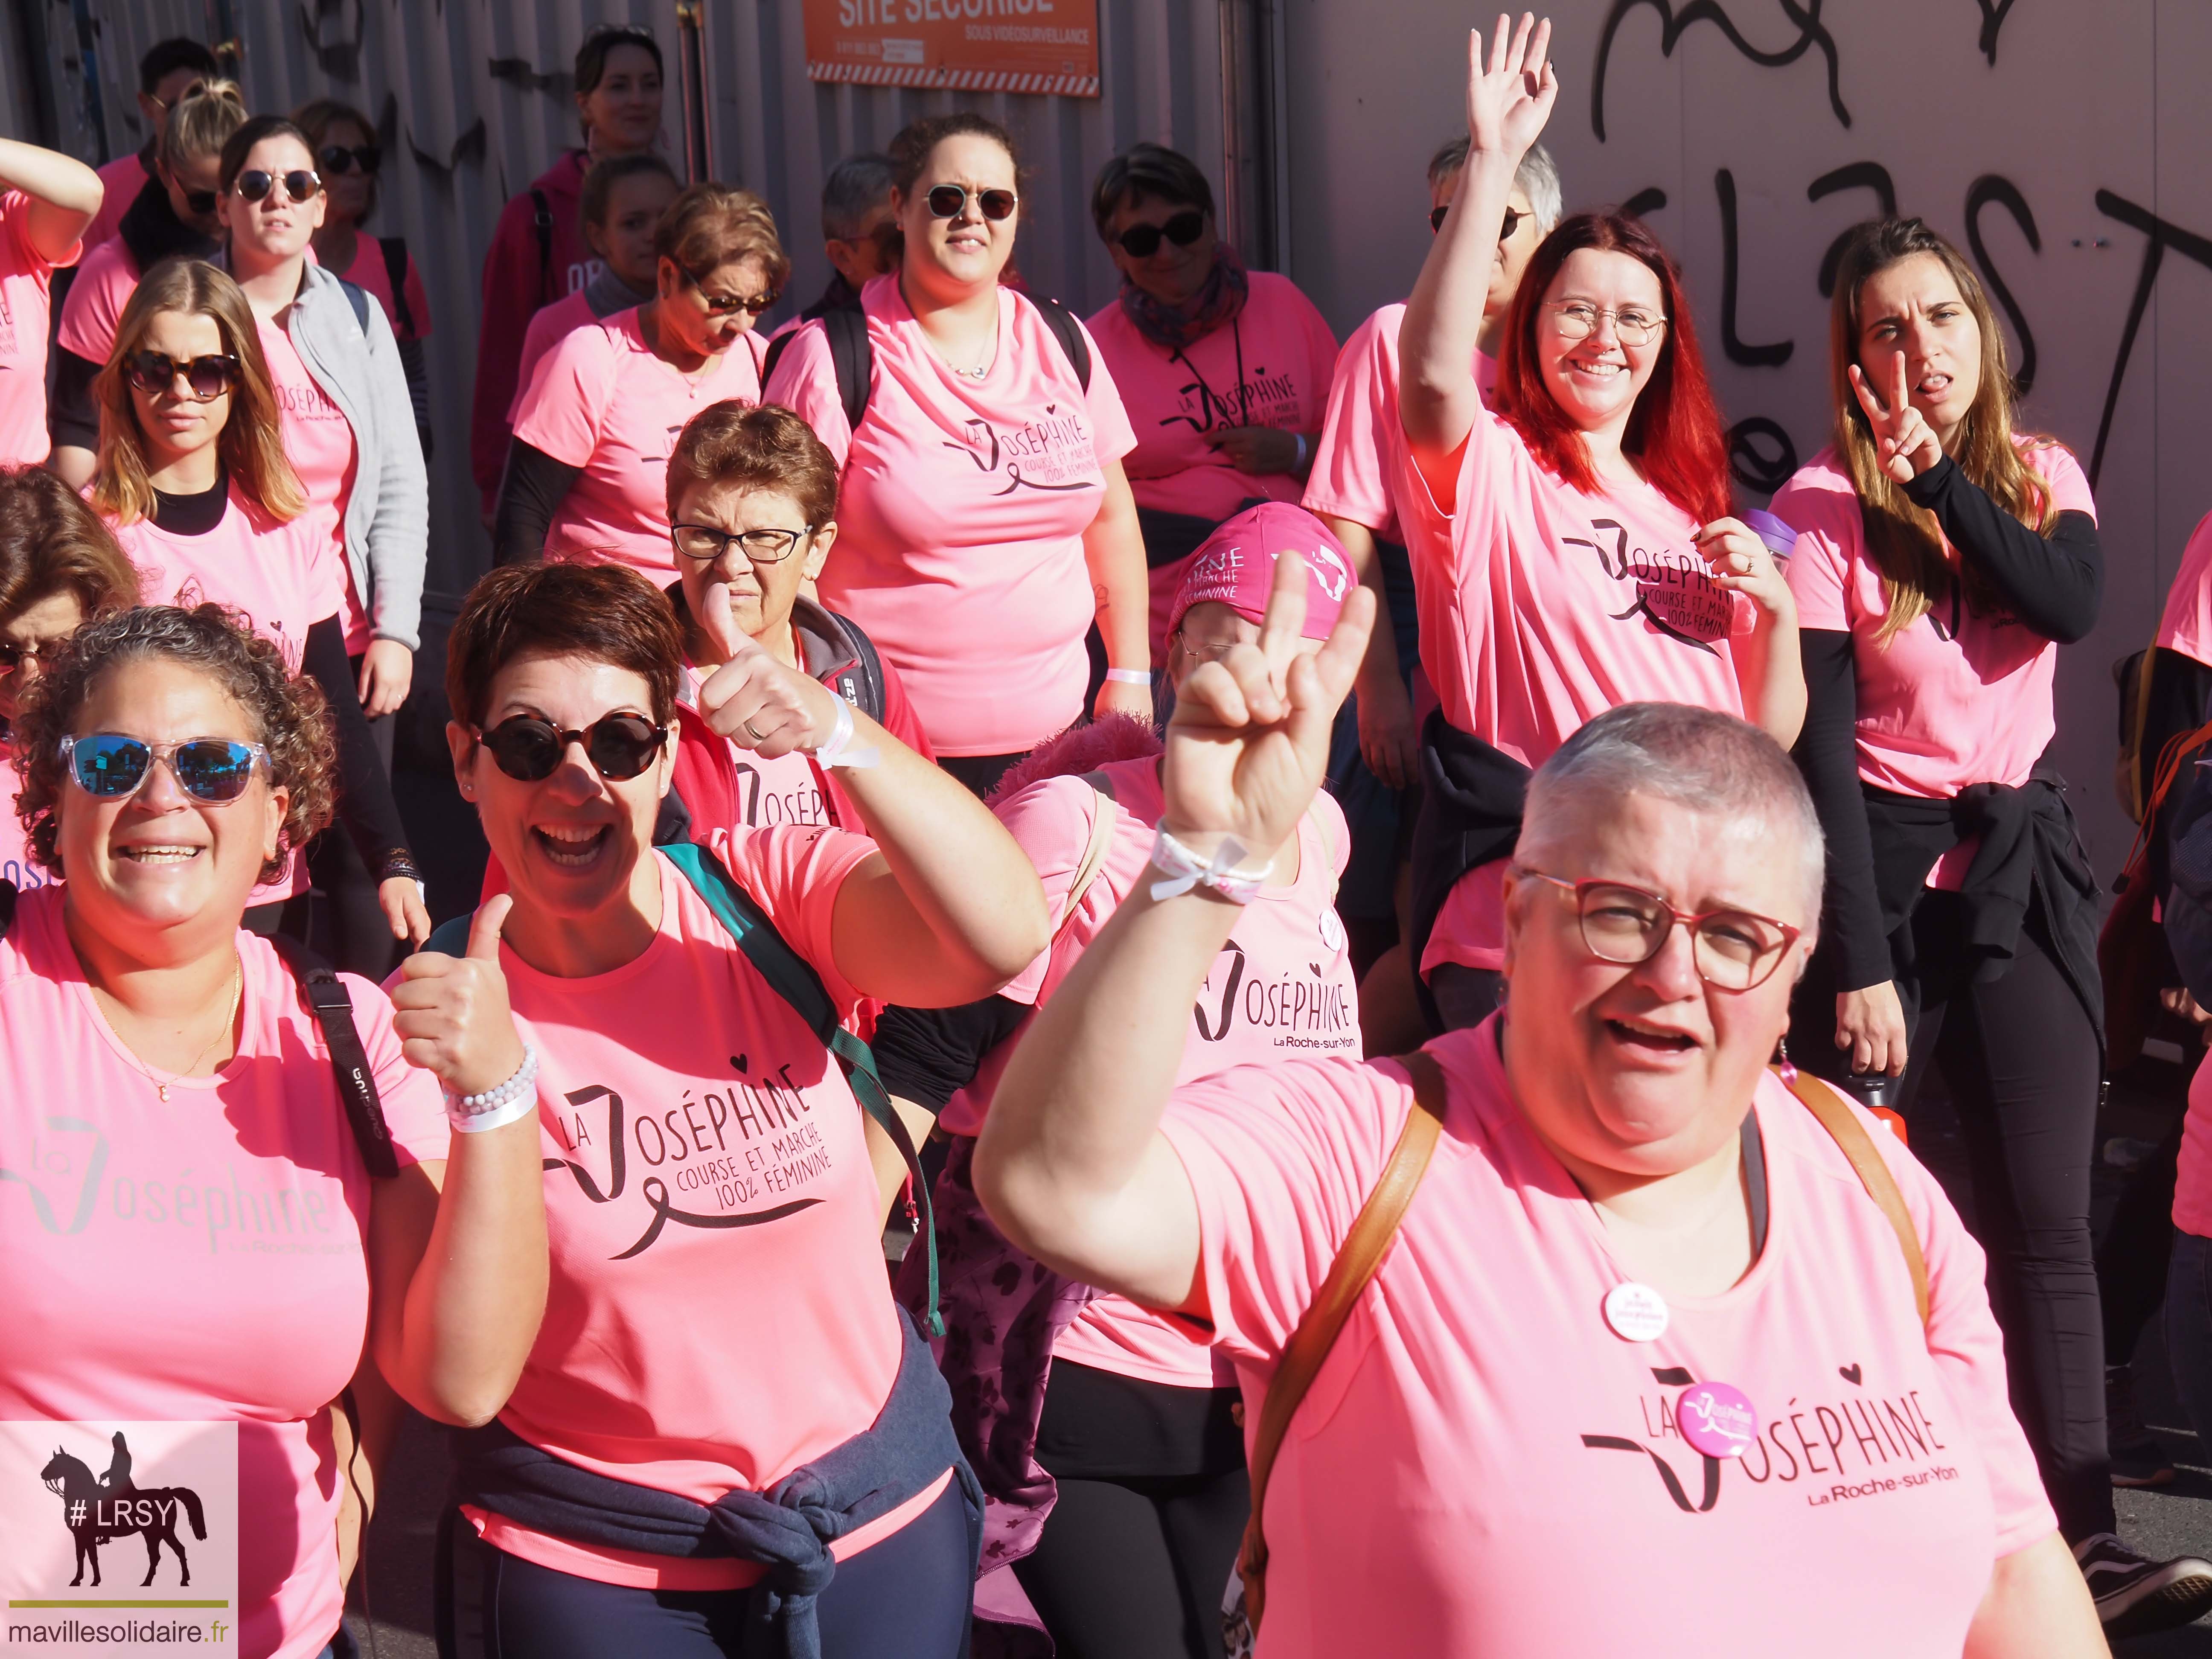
x=855, y=188
x=1694, y=757
x=1537, y=177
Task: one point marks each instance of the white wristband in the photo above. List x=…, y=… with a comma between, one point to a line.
x=1129, y=676
x=1186, y=871
x=835, y=751
x=501, y=1105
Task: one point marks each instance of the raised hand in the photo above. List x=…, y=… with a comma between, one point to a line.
x=1250, y=740
x=753, y=699
x=1905, y=446
x=400, y=898
x=451, y=1012
x=1510, y=98
x=1743, y=564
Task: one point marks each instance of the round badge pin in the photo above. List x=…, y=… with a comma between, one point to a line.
x=1636, y=1312
x=1717, y=1419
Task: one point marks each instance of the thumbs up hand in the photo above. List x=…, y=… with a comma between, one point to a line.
x=451, y=1012
x=753, y=699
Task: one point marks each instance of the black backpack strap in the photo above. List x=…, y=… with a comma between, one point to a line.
x=855, y=360
x=357, y=297
x=7, y=906
x=324, y=995
x=395, y=272
x=1061, y=321
x=451, y=937
x=543, y=224
x=775, y=350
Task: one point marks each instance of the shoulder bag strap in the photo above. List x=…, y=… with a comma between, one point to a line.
x=1349, y=1275
x=542, y=223
x=1061, y=321
x=853, y=359
x=776, y=347
x=395, y=272
x=1103, y=819
x=1849, y=1134
x=326, y=997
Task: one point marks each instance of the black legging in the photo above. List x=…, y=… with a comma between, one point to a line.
x=1153, y=1497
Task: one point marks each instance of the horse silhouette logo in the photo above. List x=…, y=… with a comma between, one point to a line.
x=99, y=1509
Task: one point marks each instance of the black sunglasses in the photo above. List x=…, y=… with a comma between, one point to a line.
x=1506, y=226
x=951, y=201
x=728, y=305
x=1142, y=242
x=202, y=202
x=529, y=749
x=337, y=160
x=206, y=379
x=298, y=184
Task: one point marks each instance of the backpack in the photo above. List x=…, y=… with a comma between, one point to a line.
x=324, y=995
x=394, y=249
x=853, y=358
x=542, y=223
x=792, y=977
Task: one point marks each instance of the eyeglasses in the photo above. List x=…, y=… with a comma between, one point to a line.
x=1731, y=949
x=1577, y=320
x=13, y=656
x=205, y=379
x=727, y=304
x=337, y=160
x=201, y=202
x=1207, y=650
x=1142, y=242
x=298, y=184
x=704, y=543
x=1506, y=226
x=211, y=770
x=529, y=749
x=951, y=201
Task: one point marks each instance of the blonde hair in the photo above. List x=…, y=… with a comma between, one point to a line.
x=202, y=123
x=252, y=442
x=1902, y=539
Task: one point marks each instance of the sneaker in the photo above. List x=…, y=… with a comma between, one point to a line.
x=2137, y=1458
x=2135, y=1594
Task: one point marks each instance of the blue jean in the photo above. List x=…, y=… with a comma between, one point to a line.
x=2189, y=1328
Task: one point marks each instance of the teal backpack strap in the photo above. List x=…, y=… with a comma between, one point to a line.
x=793, y=978
x=451, y=937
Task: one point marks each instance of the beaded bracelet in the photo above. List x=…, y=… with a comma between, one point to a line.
x=498, y=1105
x=1186, y=871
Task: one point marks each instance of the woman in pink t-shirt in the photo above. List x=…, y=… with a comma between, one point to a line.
x=1224, y=372
x=586, y=476
x=693, y=1448
x=59, y=567
x=46, y=199
x=1569, y=534
x=1941, y=555
x=203, y=500
x=987, y=523
x=201, y=1229
x=1085, y=1414
x=1646, y=1364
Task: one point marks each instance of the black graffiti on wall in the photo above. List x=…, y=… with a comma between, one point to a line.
x=1805, y=14
x=2160, y=235
x=1991, y=187
x=1993, y=18
x=1750, y=356
x=1857, y=175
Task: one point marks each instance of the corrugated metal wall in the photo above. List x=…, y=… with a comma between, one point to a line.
x=472, y=98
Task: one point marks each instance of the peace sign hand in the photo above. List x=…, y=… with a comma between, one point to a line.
x=1509, y=100
x=1250, y=740
x=1905, y=446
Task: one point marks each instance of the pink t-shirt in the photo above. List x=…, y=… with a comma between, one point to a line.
x=1355, y=470
x=197, y=1259
x=1480, y=1453
x=2186, y=625
x=16, y=866
x=2192, y=1187
x=1957, y=698
x=683, y=1348
x=368, y=273
x=960, y=517
x=26, y=283
x=102, y=287
x=1282, y=986
x=276, y=573
x=319, y=442
x=121, y=179
x=548, y=328
x=1542, y=608
x=787, y=790
x=600, y=400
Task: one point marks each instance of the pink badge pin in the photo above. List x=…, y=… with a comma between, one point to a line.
x=1716, y=1419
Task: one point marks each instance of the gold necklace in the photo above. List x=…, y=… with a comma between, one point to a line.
x=237, y=994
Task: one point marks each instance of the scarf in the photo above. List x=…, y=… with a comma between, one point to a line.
x=1173, y=328
x=153, y=233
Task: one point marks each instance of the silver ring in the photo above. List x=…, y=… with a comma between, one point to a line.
x=754, y=732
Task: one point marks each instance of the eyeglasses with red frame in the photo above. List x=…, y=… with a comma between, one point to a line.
x=1731, y=949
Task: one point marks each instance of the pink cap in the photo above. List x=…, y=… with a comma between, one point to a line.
x=1236, y=566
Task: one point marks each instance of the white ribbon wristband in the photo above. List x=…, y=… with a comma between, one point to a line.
x=498, y=1106
x=835, y=752
x=1186, y=871
x=1129, y=676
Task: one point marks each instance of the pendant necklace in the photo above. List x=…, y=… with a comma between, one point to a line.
x=237, y=994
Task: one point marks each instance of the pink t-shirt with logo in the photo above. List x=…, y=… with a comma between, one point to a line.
x=548, y=328
x=601, y=400
x=1283, y=987
x=678, y=1351
x=1542, y=607
x=319, y=442
x=2186, y=624
x=26, y=286
x=16, y=866
x=1960, y=697
x=1355, y=470
x=121, y=179
x=278, y=575
x=197, y=1259
x=960, y=517
x=1480, y=1449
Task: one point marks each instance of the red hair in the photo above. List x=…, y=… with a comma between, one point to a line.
x=1675, y=431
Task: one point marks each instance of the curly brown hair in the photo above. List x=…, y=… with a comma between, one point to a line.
x=288, y=716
